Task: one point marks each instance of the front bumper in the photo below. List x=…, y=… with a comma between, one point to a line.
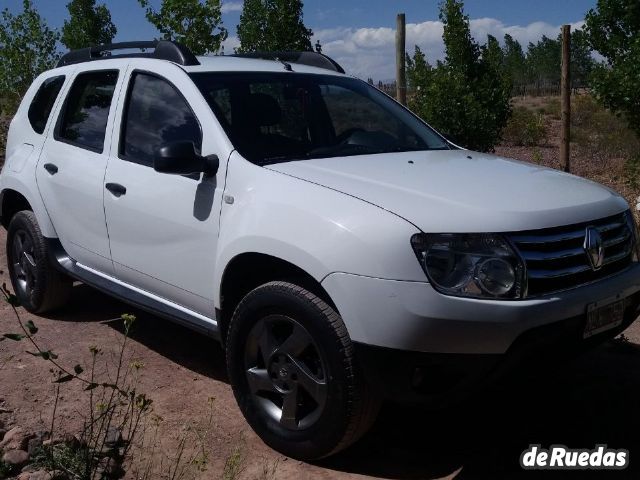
x=439, y=378
x=414, y=344
x=415, y=317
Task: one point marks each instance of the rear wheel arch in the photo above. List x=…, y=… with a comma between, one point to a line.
x=12, y=202
x=248, y=271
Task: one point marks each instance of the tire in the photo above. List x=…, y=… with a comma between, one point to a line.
x=39, y=287
x=292, y=368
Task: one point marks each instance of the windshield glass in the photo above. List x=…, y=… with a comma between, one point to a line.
x=278, y=117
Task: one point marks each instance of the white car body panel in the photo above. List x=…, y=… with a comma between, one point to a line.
x=163, y=231
x=24, y=146
x=74, y=195
x=458, y=191
x=413, y=316
x=313, y=227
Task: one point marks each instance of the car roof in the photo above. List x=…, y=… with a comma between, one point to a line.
x=214, y=63
x=118, y=55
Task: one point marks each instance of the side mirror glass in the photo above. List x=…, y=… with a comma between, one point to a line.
x=181, y=158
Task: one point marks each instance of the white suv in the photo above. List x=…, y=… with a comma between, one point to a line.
x=342, y=250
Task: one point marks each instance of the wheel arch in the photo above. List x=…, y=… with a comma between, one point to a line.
x=16, y=195
x=249, y=270
x=12, y=202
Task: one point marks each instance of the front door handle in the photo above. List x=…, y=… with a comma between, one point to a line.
x=51, y=168
x=116, y=189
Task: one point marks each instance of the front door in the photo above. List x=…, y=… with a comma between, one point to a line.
x=163, y=228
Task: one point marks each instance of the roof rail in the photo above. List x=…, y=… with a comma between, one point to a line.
x=162, y=49
x=312, y=59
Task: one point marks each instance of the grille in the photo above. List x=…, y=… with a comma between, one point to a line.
x=556, y=260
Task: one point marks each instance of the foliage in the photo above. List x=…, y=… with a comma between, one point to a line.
x=536, y=156
x=613, y=30
x=273, y=25
x=4, y=130
x=597, y=130
x=113, y=405
x=234, y=464
x=418, y=69
x=525, y=128
x=151, y=460
x=582, y=62
x=515, y=60
x=540, y=65
x=193, y=23
x=466, y=96
x=5, y=469
x=493, y=55
x=553, y=108
x=543, y=61
x=28, y=47
x=632, y=171
x=89, y=25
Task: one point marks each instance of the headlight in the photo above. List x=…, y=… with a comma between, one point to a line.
x=471, y=265
x=634, y=232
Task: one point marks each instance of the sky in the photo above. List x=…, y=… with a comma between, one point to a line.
x=359, y=34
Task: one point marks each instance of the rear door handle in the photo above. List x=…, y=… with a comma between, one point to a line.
x=116, y=189
x=51, y=168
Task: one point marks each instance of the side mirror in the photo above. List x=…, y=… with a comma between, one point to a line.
x=181, y=158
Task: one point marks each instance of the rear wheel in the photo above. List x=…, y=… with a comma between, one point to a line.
x=293, y=372
x=38, y=286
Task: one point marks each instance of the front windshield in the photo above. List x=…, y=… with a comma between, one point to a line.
x=279, y=117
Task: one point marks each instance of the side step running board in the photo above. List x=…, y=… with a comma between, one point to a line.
x=137, y=298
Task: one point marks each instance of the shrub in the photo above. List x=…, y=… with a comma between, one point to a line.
x=4, y=130
x=632, y=171
x=525, y=127
x=553, y=109
x=595, y=128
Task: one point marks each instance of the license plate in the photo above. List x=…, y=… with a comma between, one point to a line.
x=602, y=316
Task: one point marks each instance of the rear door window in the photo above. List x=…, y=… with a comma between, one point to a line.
x=83, y=121
x=43, y=101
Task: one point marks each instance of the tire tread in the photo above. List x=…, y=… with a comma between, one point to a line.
x=362, y=404
x=57, y=286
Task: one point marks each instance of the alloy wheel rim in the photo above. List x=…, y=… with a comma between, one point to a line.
x=24, y=263
x=285, y=372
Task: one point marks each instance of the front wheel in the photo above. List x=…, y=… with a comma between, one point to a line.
x=292, y=367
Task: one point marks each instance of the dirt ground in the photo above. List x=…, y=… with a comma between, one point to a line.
x=591, y=400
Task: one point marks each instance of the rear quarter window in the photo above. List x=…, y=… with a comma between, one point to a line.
x=43, y=102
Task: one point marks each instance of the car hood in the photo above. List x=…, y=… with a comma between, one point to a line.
x=461, y=191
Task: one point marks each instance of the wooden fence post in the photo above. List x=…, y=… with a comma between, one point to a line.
x=565, y=92
x=401, y=73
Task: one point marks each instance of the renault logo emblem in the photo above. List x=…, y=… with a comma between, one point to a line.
x=594, y=248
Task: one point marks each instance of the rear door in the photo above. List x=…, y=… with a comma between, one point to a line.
x=71, y=168
x=163, y=228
